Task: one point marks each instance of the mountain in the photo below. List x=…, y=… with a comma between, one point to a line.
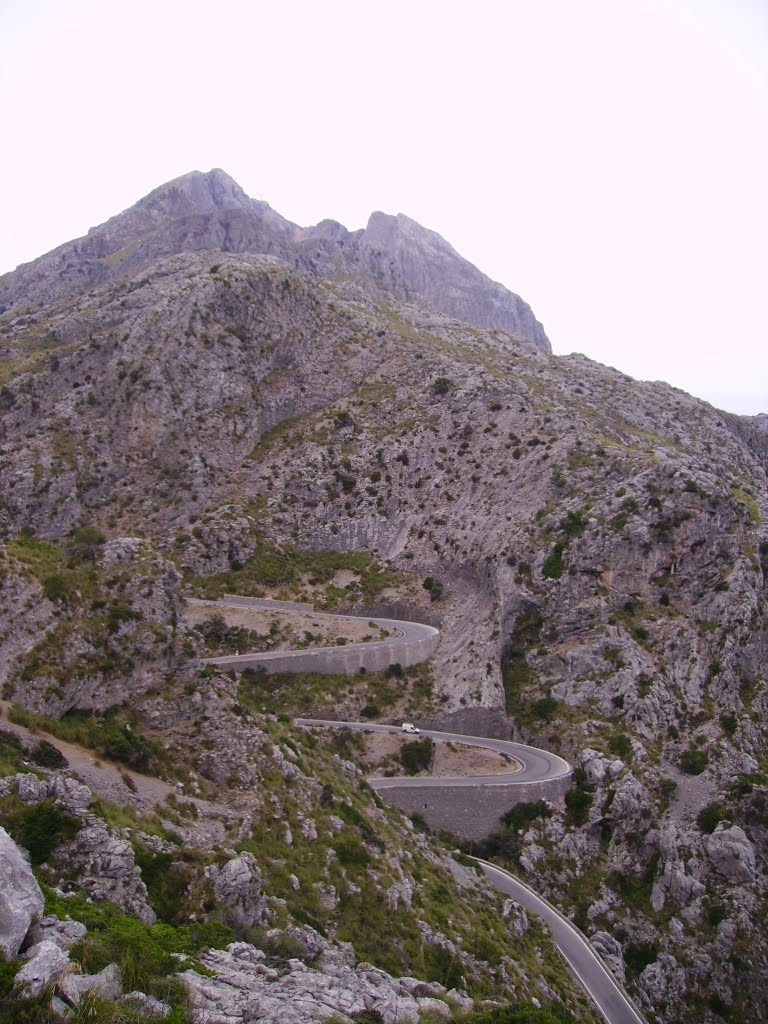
x=392, y=257
x=200, y=398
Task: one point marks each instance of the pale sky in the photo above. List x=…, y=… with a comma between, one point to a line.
x=605, y=159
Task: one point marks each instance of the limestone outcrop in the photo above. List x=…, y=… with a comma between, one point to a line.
x=21, y=901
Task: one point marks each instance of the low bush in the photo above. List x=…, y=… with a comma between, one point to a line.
x=621, y=746
x=416, y=757
x=40, y=828
x=711, y=816
x=637, y=955
x=693, y=761
x=47, y=756
x=577, y=803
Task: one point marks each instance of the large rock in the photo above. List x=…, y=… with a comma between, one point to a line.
x=47, y=962
x=107, y=984
x=73, y=796
x=236, y=887
x=104, y=867
x=63, y=933
x=732, y=854
x=21, y=901
x=679, y=867
x=609, y=949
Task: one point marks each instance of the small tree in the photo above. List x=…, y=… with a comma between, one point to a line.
x=693, y=761
x=442, y=385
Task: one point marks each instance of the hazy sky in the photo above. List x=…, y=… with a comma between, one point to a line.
x=606, y=159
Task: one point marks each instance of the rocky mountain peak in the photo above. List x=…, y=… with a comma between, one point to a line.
x=401, y=232
x=196, y=192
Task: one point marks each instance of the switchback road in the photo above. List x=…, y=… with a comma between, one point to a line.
x=534, y=765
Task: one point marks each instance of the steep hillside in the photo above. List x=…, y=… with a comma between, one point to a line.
x=595, y=549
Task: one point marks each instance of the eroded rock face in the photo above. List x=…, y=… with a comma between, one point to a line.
x=21, y=901
x=104, y=866
x=237, y=888
x=393, y=256
x=609, y=949
x=732, y=853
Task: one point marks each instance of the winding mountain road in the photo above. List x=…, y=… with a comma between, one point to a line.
x=533, y=765
x=409, y=643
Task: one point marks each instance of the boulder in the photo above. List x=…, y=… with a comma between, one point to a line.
x=107, y=984
x=610, y=951
x=236, y=886
x=732, y=854
x=70, y=794
x=46, y=964
x=64, y=933
x=21, y=901
x=145, y=1006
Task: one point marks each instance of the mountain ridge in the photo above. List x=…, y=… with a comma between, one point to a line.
x=392, y=257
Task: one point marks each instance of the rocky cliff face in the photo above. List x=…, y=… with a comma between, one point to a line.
x=394, y=257
x=285, y=422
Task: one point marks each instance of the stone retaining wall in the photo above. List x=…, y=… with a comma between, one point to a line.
x=472, y=812
x=346, y=660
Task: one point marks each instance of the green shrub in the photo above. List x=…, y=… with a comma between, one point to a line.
x=693, y=761
x=84, y=544
x=522, y=814
x=637, y=955
x=716, y=913
x=573, y=524
x=40, y=828
x=711, y=816
x=729, y=722
x=578, y=802
x=351, y=852
x=442, y=385
x=441, y=966
x=416, y=757
x=553, y=567
x=621, y=746
x=167, y=881
x=55, y=588
x=545, y=708
x=47, y=756
x=11, y=753
x=8, y=969
x=21, y=1010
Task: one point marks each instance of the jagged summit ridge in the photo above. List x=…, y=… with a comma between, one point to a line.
x=393, y=257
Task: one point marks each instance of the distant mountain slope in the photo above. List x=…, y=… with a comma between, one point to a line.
x=393, y=257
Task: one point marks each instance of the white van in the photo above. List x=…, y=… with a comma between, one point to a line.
x=410, y=727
